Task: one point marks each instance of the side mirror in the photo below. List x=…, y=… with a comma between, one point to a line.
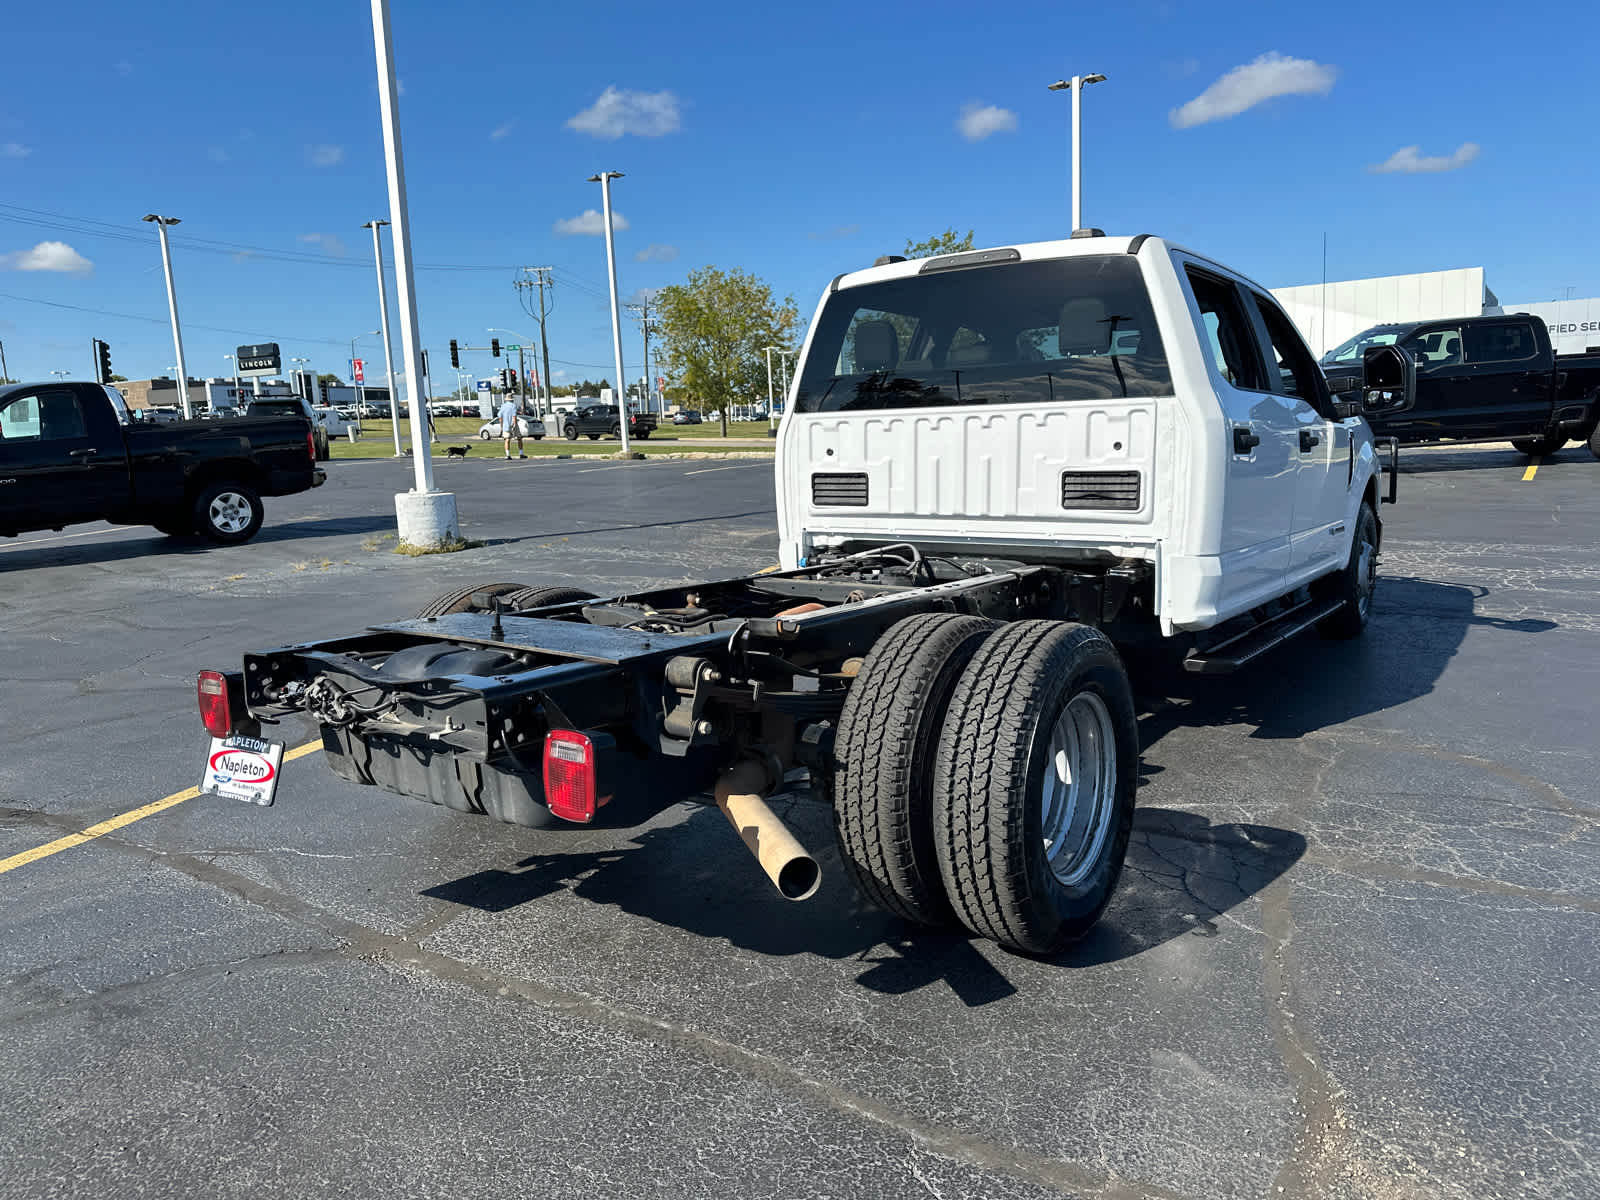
x=1388, y=380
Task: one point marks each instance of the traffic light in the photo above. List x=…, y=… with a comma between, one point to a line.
x=494, y=347
x=511, y=379
x=455, y=353
x=103, y=360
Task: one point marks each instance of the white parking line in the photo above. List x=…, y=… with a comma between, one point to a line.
x=734, y=467
x=19, y=545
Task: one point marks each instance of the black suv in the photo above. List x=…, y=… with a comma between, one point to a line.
x=602, y=420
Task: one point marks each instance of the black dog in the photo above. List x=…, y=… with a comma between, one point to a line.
x=456, y=451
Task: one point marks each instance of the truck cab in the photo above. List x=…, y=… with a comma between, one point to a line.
x=1098, y=399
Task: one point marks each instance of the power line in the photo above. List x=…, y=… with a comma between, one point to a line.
x=86, y=227
x=106, y=312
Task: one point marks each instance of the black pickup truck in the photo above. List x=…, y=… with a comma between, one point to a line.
x=1481, y=379
x=69, y=453
x=602, y=420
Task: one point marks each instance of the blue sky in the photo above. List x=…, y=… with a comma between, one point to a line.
x=794, y=144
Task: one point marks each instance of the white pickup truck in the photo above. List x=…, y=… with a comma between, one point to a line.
x=996, y=470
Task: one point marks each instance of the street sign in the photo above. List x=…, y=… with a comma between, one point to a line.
x=508, y=346
x=483, y=385
x=261, y=359
x=357, y=370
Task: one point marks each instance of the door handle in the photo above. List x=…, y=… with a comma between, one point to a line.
x=1307, y=440
x=1243, y=440
x=89, y=453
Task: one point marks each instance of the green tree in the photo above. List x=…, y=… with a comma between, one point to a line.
x=714, y=330
x=943, y=243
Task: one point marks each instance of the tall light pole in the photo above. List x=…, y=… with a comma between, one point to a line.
x=426, y=517
x=604, y=180
x=61, y=374
x=161, y=224
x=237, y=398
x=311, y=399
x=383, y=313
x=1076, y=84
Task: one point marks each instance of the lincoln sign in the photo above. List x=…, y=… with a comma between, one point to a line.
x=258, y=360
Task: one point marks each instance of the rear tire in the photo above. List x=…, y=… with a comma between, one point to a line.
x=882, y=782
x=1034, y=785
x=1594, y=439
x=571, y=433
x=1356, y=583
x=1548, y=444
x=483, y=435
x=229, y=513
x=459, y=600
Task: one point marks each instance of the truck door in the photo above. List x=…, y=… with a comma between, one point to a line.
x=1323, y=445
x=1263, y=447
x=1444, y=405
x=1509, y=379
x=61, y=459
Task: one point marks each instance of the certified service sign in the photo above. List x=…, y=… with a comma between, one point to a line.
x=243, y=768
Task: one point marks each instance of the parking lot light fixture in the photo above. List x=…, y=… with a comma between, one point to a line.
x=61, y=374
x=1076, y=84
x=383, y=313
x=604, y=179
x=161, y=224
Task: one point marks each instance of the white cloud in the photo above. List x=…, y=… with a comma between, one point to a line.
x=656, y=252
x=47, y=256
x=1408, y=161
x=978, y=121
x=15, y=150
x=1272, y=74
x=330, y=243
x=325, y=155
x=560, y=372
x=838, y=231
x=502, y=131
x=643, y=295
x=619, y=111
x=590, y=222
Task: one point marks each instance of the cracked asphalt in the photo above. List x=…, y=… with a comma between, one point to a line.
x=1353, y=954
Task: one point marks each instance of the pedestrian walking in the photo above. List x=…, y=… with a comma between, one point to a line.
x=510, y=427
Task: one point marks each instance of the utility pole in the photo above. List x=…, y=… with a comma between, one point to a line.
x=641, y=312
x=540, y=280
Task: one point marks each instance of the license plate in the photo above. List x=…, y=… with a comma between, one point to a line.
x=243, y=768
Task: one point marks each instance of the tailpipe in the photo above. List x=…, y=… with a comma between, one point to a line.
x=740, y=795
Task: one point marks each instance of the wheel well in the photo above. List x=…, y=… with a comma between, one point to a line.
x=224, y=471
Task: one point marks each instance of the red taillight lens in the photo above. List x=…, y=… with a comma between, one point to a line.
x=569, y=775
x=311, y=446
x=212, y=690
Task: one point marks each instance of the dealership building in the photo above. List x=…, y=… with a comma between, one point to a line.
x=1332, y=312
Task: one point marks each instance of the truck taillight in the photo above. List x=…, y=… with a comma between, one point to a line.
x=569, y=775
x=212, y=690
x=311, y=446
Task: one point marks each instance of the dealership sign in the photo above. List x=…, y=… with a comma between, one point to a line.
x=243, y=768
x=257, y=360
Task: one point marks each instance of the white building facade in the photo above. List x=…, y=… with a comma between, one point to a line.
x=1332, y=312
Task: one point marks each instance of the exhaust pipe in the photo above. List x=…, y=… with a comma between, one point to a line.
x=740, y=795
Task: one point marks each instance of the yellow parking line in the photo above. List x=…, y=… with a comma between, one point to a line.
x=1533, y=468
x=112, y=824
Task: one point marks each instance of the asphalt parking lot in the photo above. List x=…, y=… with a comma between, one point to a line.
x=1352, y=954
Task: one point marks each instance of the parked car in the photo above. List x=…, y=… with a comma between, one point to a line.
x=1493, y=378
x=687, y=416
x=70, y=452
x=296, y=406
x=528, y=427
x=602, y=420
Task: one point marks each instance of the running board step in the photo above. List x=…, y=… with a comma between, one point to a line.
x=1227, y=657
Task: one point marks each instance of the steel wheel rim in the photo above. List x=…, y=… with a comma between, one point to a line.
x=229, y=512
x=1079, y=788
x=1366, y=576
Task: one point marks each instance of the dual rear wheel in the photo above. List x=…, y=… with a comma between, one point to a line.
x=986, y=774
